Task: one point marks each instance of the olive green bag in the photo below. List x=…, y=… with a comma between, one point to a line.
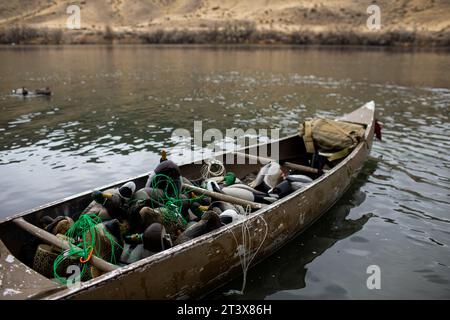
x=329, y=135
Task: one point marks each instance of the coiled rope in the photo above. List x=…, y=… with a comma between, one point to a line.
x=212, y=168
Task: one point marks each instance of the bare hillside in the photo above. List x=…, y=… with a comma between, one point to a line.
x=428, y=17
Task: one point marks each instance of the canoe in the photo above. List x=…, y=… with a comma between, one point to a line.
x=194, y=268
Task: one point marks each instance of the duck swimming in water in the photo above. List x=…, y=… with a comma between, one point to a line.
x=43, y=92
x=21, y=91
x=24, y=92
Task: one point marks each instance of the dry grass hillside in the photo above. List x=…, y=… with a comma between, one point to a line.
x=227, y=21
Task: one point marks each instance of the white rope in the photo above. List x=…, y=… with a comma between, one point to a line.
x=246, y=248
x=212, y=168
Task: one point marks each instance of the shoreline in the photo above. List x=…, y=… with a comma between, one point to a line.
x=228, y=35
x=234, y=46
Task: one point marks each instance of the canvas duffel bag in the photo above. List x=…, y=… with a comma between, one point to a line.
x=330, y=135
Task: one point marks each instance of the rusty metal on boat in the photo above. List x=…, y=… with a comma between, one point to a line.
x=195, y=268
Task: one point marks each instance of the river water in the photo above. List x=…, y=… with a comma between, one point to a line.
x=114, y=109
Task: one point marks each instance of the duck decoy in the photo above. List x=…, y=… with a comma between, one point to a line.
x=166, y=177
x=299, y=178
x=163, y=216
x=58, y=225
x=222, y=206
x=145, y=217
x=249, y=194
x=115, y=201
x=229, y=216
x=209, y=222
x=268, y=177
x=127, y=190
x=154, y=239
x=107, y=243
